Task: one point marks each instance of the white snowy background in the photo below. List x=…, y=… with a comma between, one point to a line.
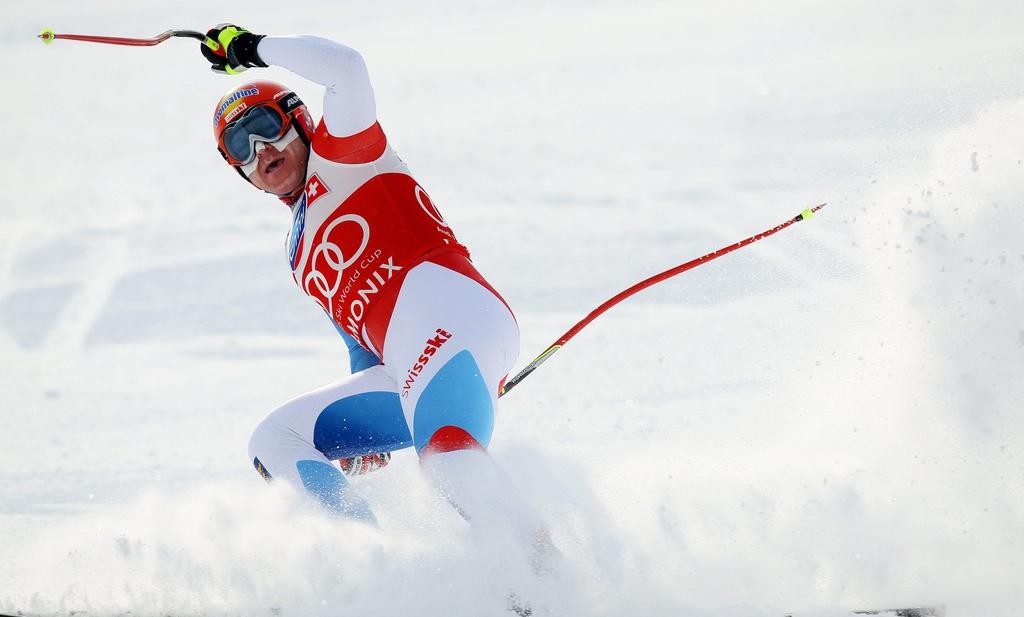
x=827, y=420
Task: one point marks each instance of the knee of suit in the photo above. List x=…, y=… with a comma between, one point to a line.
x=455, y=410
x=450, y=439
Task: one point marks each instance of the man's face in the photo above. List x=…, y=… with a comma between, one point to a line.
x=281, y=172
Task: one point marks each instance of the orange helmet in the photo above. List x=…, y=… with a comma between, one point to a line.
x=257, y=111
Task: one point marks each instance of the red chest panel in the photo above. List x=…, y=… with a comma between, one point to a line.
x=366, y=244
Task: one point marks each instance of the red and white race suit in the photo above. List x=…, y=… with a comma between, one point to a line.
x=362, y=223
x=371, y=248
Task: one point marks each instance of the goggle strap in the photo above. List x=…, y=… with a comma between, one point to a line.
x=241, y=173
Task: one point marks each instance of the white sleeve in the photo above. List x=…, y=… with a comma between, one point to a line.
x=349, y=106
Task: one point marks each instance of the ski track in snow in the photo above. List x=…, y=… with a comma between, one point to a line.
x=827, y=420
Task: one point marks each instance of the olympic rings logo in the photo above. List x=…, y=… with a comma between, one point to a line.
x=327, y=280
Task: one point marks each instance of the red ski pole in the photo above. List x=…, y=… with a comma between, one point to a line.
x=49, y=36
x=644, y=284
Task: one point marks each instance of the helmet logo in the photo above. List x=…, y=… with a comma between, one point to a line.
x=291, y=102
x=231, y=99
x=234, y=112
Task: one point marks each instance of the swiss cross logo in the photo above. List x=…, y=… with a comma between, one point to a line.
x=315, y=188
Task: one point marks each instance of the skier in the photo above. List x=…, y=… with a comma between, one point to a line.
x=430, y=340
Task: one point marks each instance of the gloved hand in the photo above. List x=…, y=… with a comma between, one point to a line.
x=235, y=49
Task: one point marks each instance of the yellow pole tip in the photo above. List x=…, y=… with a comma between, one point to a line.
x=47, y=36
x=808, y=213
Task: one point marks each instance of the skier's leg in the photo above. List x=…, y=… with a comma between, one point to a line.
x=296, y=443
x=450, y=342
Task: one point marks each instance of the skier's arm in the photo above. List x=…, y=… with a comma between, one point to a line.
x=349, y=105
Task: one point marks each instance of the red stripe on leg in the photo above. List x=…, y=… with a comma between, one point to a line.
x=449, y=439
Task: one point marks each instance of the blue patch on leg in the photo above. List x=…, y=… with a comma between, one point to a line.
x=456, y=396
x=366, y=423
x=331, y=488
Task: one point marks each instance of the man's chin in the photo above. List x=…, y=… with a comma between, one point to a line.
x=295, y=187
x=284, y=187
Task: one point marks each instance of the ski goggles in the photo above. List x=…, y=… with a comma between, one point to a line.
x=263, y=123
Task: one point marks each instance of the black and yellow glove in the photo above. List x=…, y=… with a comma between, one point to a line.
x=231, y=49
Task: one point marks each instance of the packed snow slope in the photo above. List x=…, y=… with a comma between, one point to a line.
x=829, y=419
